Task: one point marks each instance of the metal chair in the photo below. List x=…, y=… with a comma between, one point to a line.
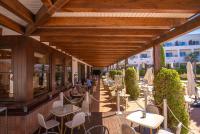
x=127, y=129
x=178, y=130
x=152, y=109
x=98, y=129
x=47, y=124
x=78, y=120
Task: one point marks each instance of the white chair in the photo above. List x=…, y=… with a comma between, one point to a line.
x=178, y=130
x=78, y=120
x=47, y=124
x=57, y=103
x=85, y=108
x=127, y=129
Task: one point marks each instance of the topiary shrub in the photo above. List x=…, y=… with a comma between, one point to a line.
x=112, y=74
x=142, y=72
x=167, y=85
x=162, y=56
x=119, y=72
x=131, y=83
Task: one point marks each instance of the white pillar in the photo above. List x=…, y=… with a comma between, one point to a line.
x=145, y=97
x=165, y=113
x=118, y=103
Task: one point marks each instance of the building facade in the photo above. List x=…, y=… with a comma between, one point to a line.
x=176, y=52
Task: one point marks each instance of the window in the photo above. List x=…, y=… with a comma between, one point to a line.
x=6, y=75
x=41, y=74
x=191, y=42
x=59, y=73
x=168, y=44
x=169, y=54
x=182, y=54
x=68, y=71
x=143, y=56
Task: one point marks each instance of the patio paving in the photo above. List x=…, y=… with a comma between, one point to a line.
x=108, y=107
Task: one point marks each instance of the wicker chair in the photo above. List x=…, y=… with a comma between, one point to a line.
x=127, y=129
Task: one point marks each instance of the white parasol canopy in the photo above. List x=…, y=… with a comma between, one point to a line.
x=191, y=80
x=149, y=76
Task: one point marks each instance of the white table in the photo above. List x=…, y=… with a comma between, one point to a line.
x=4, y=109
x=64, y=111
x=152, y=121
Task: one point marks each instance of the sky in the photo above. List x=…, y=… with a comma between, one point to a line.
x=195, y=32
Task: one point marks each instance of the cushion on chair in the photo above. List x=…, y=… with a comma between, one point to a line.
x=51, y=124
x=161, y=131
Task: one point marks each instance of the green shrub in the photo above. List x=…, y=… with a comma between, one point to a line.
x=119, y=72
x=162, y=56
x=112, y=74
x=167, y=85
x=142, y=72
x=131, y=83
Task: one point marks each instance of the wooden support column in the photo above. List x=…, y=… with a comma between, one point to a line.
x=1, y=31
x=126, y=63
x=117, y=65
x=156, y=57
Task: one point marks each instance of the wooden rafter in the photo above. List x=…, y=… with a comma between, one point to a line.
x=152, y=6
x=47, y=3
x=93, y=39
x=97, y=32
x=18, y=9
x=113, y=22
x=44, y=14
x=7, y=22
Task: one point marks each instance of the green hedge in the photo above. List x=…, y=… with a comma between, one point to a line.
x=142, y=72
x=131, y=83
x=112, y=73
x=167, y=85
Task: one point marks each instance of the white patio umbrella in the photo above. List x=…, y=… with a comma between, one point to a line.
x=191, y=80
x=149, y=76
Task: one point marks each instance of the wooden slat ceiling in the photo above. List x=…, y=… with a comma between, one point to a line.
x=102, y=32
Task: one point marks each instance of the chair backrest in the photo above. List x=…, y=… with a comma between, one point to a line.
x=41, y=120
x=78, y=119
x=178, y=129
x=126, y=129
x=57, y=103
x=98, y=129
x=152, y=109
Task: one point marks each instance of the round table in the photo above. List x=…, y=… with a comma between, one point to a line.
x=64, y=111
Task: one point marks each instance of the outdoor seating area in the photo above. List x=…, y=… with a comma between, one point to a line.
x=99, y=66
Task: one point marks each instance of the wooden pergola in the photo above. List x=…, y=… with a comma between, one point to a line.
x=102, y=32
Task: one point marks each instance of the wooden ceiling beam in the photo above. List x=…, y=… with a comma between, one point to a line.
x=98, y=44
x=18, y=9
x=104, y=22
x=44, y=14
x=47, y=3
x=93, y=39
x=7, y=22
x=152, y=6
x=97, y=32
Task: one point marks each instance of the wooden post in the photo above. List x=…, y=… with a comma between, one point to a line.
x=157, y=57
x=126, y=63
x=117, y=65
x=165, y=113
